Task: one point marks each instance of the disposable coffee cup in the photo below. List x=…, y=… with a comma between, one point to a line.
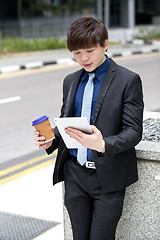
x=42, y=125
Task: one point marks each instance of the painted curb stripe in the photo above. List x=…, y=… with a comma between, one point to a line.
x=60, y=61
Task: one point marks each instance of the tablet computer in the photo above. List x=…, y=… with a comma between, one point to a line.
x=80, y=123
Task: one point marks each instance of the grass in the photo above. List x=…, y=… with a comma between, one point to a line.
x=18, y=44
x=13, y=45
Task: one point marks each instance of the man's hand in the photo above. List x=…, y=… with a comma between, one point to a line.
x=40, y=141
x=93, y=141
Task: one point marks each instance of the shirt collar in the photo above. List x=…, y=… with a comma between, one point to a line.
x=100, y=71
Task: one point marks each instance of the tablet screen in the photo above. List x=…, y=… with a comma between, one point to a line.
x=80, y=123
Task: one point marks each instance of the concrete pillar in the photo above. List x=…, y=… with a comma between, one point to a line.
x=107, y=13
x=131, y=13
x=99, y=9
x=127, y=13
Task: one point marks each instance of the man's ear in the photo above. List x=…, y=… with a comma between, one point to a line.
x=106, y=44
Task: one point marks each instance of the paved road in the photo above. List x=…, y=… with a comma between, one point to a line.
x=148, y=67
x=40, y=92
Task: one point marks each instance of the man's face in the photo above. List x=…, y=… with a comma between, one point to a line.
x=91, y=58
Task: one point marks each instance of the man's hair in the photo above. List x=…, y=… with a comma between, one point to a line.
x=86, y=32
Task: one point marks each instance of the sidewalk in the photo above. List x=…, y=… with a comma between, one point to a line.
x=29, y=60
x=33, y=195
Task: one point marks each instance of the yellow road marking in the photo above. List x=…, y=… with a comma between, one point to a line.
x=24, y=164
x=27, y=171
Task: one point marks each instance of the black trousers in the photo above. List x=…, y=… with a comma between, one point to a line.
x=94, y=215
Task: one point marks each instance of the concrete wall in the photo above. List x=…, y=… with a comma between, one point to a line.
x=141, y=213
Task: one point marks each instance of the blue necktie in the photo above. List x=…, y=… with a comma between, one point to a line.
x=86, y=112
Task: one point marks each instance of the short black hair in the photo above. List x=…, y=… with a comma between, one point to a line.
x=86, y=32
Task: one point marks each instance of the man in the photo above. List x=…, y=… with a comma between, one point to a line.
x=94, y=190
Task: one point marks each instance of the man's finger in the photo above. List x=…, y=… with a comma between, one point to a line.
x=36, y=132
x=40, y=143
x=76, y=134
x=40, y=138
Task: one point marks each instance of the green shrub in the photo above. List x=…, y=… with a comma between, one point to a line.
x=22, y=45
x=17, y=44
x=148, y=33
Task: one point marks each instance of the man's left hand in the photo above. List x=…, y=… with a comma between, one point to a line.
x=92, y=141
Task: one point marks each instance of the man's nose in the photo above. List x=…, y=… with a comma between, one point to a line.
x=84, y=57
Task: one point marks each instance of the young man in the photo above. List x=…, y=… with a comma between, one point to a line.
x=94, y=190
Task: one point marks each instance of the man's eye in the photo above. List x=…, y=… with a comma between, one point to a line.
x=76, y=53
x=91, y=50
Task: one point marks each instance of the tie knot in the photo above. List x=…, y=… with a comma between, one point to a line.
x=91, y=76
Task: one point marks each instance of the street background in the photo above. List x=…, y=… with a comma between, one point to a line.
x=31, y=86
x=40, y=93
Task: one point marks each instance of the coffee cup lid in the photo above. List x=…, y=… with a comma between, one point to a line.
x=39, y=120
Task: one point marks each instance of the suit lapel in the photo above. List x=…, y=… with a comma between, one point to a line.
x=104, y=88
x=69, y=105
x=71, y=95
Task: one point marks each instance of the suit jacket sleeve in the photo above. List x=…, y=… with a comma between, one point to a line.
x=132, y=118
x=55, y=143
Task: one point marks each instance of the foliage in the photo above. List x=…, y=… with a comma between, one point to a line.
x=17, y=44
x=148, y=33
x=35, y=44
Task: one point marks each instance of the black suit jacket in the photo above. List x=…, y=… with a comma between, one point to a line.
x=118, y=115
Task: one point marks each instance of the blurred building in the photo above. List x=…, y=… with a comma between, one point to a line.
x=41, y=18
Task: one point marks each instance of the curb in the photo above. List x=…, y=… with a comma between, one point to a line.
x=37, y=64
x=146, y=47
x=134, y=52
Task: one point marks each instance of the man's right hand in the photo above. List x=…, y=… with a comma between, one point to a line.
x=40, y=141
